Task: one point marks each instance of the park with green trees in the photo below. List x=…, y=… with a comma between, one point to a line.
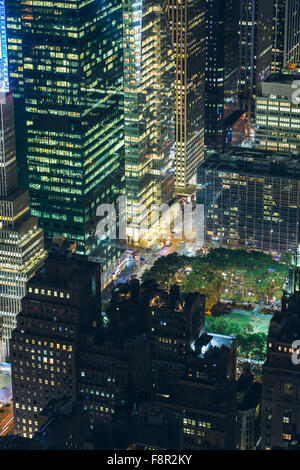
x=235, y=275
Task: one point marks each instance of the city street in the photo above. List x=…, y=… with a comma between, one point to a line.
x=143, y=260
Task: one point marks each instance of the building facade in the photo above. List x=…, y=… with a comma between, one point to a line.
x=21, y=241
x=186, y=22
x=277, y=115
x=286, y=34
x=251, y=200
x=255, y=50
x=204, y=394
x=115, y=362
x=148, y=111
x=249, y=417
x=281, y=373
x=64, y=347
x=66, y=72
x=292, y=32
x=62, y=304
x=278, y=35
x=192, y=372
x=221, y=68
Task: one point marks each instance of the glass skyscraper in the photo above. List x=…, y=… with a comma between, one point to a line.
x=148, y=110
x=66, y=72
x=251, y=199
x=292, y=32
x=186, y=21
x=255, y=47
x=221, y=71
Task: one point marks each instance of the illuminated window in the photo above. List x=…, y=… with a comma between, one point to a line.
x=288, y=389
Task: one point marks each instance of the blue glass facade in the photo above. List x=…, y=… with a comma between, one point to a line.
x=4, y=84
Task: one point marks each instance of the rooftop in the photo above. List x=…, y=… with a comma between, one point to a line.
x=212, y=340
x=283, y=78
x=253, y=161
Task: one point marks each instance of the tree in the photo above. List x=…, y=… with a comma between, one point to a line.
x=238, y=274
x=286, y=258
x=164, y=269
x=250, y=345
x=204, y=280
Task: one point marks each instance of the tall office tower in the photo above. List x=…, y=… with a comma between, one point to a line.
x=251, y=200
x=279, y=10
x=186, y=21
x=21, y=241
x=64, y=346
x=221, y=71
x=148, y=110
x=277, y=115
x=286, y=33
x=292, y=32
x=115, y=371
x=66, y=72
x=280, y=425
x=61, y=306
x=255, y=49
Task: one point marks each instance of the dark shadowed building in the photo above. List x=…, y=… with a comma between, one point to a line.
x=281, y=372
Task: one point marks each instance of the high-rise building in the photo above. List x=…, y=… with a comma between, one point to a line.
x=114, y=371
x=281, y=372
x=148, y=110
x=113, y=362
x=286, y=33
x=62, y=305
x=277, y=115
x=221, y=71
x=21, y=241
x=172, y=320
x=255, y=45
x=251, y=199
x=204, y=393
x=278, y=35
x=66, y=73
x=64, y=347
x=292, y=32
x=186, y=22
